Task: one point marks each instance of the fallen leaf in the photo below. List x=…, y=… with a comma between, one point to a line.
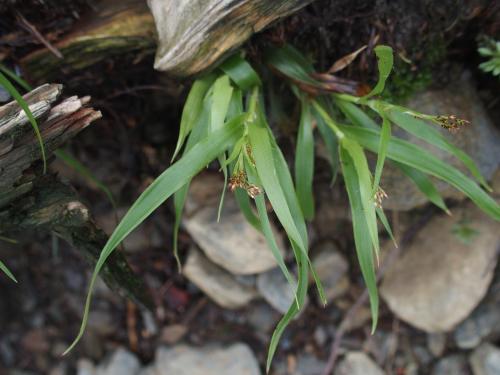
x=345, y=60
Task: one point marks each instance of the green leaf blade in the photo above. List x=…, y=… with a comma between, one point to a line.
x=161, y=189
x=304, y=161
x=360, y=228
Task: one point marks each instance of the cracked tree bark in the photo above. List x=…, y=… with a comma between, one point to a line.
x=31, y=200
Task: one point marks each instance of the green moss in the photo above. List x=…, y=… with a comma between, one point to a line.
x=407, y=78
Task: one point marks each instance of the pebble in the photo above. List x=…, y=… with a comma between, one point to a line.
x=236, y=359
x=218, y=284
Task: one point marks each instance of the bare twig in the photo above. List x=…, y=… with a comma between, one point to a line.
x=33, y=30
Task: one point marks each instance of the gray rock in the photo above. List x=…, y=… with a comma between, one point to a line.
x=331, y=268
x=218, y=284
x=85, y=367
x=451, y=365
x=276, y=290
x=485, y=360
x=208, y=360
x=358, y=363
x=439, y=280
x=232, y=243
x=262, y=317
x=484, y=322
x=121, y=362
x=436, y=342
x=101, y=322
x=480, y=140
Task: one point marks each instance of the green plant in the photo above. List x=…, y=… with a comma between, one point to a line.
x=224, y=119
x=491, y=49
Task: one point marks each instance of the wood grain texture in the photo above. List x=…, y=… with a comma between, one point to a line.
x=112, y=29
x=196, y=34
x=32, y=201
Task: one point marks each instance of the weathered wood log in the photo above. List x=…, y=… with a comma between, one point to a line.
x=112, y=29
x=30, y=200
x=195, y=34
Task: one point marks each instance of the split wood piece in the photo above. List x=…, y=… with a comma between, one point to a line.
x=30, y=200
x=113, y=28
x=195, y=34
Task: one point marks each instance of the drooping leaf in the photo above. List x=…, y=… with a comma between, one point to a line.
x=221, y=98
x=22, y=103
x=241, y=72
x=262, y=152
x=385, y=223
x=192, y=108
x=425, y=132
x=329, y=138
x=161, y=189
x=424, y=184
x=291, y=313
x=199, y=130
x=355, y=114
x=265, y=226
x=291, y=63
x=13, y=76
x=5, y=270
x=385, y=135
x=418, y=158
x=304, y=161
x=365, y=188
x=362, y=241
x=286, y=182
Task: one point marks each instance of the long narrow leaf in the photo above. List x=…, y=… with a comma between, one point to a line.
x=421, y=130
x=199, y=130
x=425, y=185
x=290, y=62
x=331, y=144
x=304, y=161
x=161, y=189
x=290, y=314
x=221, y=98
x=240, y=72
x=363, y=172
x=285, y=180
x=262, y=152
x=385, y=135
x=22, y=103
x=265, y=226
x=355, y=115
x=360, y=228
x=192, y=109
x=5, y=270
x=418, y=158
x=13, y=76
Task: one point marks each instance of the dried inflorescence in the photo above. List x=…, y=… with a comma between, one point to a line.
x=378, y=197
x=239, y=180
x=451, y=122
